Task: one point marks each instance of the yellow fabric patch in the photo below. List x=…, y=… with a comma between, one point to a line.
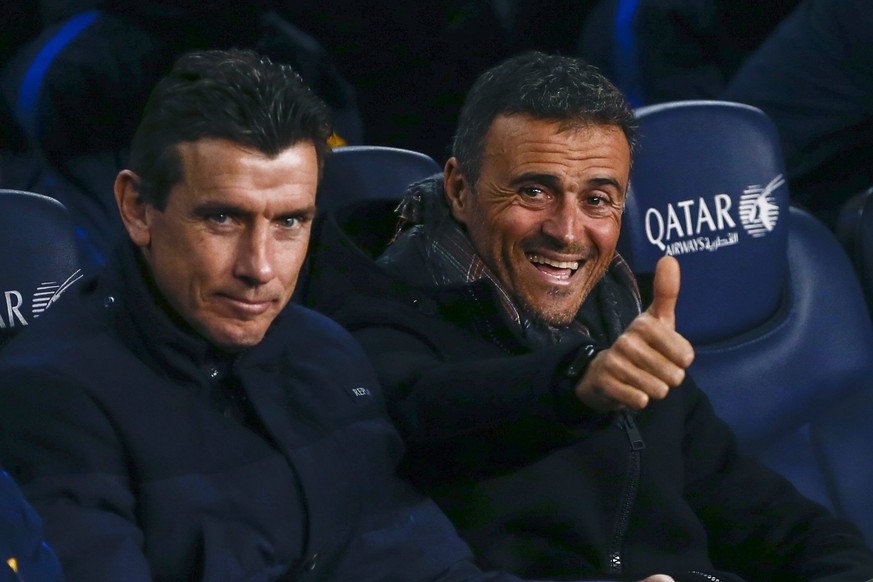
x=335, y=141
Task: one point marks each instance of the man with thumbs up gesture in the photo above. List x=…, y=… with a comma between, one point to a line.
x=549, y=415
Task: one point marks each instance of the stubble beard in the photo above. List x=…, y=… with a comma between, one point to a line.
x=555, y=314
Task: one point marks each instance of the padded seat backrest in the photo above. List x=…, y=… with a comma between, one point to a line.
x=38, y=258
x=367, y=172
x=708, y=187
x=768, y=297
x=356, y=173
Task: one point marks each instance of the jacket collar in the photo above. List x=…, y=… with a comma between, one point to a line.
x=148, y=325
x=344, y=276
x=431, y=249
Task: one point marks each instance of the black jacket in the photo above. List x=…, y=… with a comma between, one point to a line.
x=536, y=483
x=152, y=457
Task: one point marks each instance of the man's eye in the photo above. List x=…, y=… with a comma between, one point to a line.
x=600, y=205
x=290, y=222
x=219, y=218
x=596, y=201
x=533, y=192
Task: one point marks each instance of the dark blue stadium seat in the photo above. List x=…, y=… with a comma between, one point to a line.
x=38, y=258
x=355, y=173
x=768, y=298
x=77, y=132
x=366, y=172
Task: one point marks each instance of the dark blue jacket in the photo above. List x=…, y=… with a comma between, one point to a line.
x=124, y=435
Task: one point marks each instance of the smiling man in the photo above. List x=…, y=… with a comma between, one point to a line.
x=549, y=416
x=545, y=212
x=176, y=417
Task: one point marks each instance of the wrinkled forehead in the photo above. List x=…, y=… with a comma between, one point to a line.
x=522, y=144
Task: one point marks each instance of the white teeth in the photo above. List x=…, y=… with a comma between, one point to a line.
x=572, y=265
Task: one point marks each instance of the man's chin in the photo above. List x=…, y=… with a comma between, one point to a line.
x=235, y=340
x=550, y=311
x=554, y=319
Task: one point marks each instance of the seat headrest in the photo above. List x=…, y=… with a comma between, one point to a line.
x=708, y=187
x=39, y=258
x=368, y=172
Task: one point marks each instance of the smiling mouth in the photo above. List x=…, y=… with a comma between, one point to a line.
x=553, y=268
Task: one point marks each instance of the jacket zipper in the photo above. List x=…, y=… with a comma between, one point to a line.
x=629, y=492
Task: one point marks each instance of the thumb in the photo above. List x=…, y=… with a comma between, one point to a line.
x=666, y=290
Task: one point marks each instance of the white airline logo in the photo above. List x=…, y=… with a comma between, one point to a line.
x=46, y=294
x=758, y=210
x=709, y=224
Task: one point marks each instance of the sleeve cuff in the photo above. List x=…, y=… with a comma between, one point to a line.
x=568, y=407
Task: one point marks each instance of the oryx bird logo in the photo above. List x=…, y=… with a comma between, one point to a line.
x=759, y=212
x=50, y=291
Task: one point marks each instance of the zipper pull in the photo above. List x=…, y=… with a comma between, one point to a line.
x=633, y=432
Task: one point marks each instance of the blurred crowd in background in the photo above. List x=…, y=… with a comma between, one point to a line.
x=76, y=74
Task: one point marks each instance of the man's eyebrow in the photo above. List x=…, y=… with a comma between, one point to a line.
x=549, y=180
x=217, y=207
x=605, y=181
x=304, y=212
x=552, y=181
x=208, y=208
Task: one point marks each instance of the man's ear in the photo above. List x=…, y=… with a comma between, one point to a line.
x=135, y=214
x=458, y=190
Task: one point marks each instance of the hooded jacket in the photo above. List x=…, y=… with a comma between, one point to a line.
x=535, y=482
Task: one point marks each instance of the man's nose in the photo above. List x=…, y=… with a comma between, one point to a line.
x=564, y=222
x=254, y=261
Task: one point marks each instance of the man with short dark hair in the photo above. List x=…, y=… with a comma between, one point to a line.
x=177, y=418
x=545, y=411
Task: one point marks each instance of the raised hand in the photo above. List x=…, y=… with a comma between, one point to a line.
x=648, y=359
